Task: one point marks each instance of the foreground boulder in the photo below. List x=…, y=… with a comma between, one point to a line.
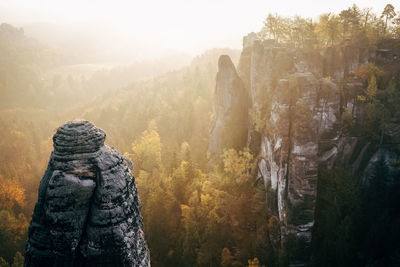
x=88, y=211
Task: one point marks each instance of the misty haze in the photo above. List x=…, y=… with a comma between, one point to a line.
x=199, y=133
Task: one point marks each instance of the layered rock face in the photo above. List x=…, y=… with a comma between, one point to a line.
x=88, y=211
x=297, y=98
x=289, y=156
x=301, y=117
x=230, y=120
x=301, y=109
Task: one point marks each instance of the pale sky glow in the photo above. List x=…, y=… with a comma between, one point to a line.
x=179, y=25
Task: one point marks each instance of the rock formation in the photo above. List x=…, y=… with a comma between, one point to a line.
x=88, y=211
x=230, y=109
x=301, y=113
x=302, y=108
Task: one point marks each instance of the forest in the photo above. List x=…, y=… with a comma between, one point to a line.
x=198, y=213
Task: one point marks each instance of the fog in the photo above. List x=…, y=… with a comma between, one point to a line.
x=127, y=31
x=288, y=159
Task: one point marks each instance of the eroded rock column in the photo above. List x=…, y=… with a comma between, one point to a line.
x=88, y=211
x=230, y=121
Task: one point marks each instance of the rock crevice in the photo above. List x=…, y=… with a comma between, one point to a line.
x=88, y=211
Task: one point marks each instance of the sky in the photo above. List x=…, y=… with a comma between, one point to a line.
x=189, y=26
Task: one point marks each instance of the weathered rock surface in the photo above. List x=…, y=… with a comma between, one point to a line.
x=303, y=108
x=88, y=211
x=230, y=120
x=289, y=149
x=302, y=130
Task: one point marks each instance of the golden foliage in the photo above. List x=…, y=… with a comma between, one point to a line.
x=237, y=163
x=254, y=263
x=11, y=193
x=12, y=227
x=18, y=260
x=372, y=88
x=3, y=263
x=226, y=257
x=147, y=149
x=365, y=72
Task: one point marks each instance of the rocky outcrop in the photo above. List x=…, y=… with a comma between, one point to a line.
x=298, y=111
x=88, y=211
x=230, y=122
x=289, y=157
x=295, y=106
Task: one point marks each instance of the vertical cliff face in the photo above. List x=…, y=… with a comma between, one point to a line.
x=295, y=105
x=298, y=108
x=301, y=113
x=229, y=129
x=88, y=209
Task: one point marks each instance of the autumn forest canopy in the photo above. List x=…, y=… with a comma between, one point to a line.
x=204, y=209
